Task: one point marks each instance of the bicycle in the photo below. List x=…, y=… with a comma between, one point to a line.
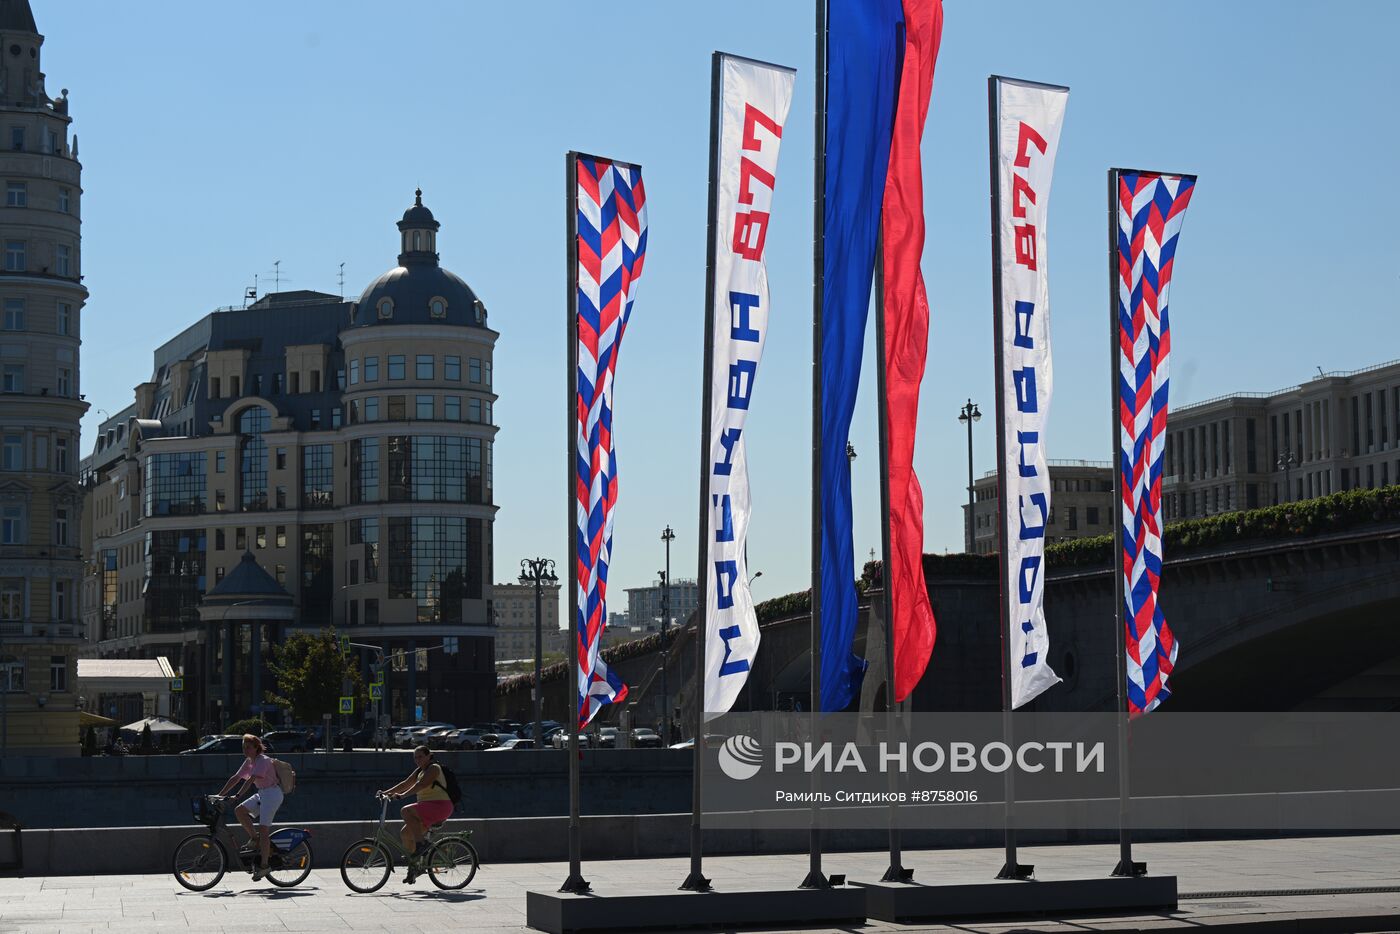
x=450, y=861
x=201, y=859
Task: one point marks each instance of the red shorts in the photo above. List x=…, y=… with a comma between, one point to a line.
x=433, y=812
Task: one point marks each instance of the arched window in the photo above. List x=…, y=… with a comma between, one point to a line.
x=252, y=422
x=386, y=308
x=437, y=306
x=417, y=244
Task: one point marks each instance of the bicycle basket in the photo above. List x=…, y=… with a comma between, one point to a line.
x=204, y=812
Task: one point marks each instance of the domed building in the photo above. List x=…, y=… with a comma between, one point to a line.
x=346, y=449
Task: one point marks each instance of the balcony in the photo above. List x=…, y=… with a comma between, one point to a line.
x=41, y=630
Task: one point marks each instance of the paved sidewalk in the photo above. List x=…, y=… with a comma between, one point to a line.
x=1247, y=879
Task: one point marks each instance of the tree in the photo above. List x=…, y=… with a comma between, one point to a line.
x=310, y=673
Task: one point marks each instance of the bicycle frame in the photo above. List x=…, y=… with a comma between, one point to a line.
x=394, y=847
x=220, y=830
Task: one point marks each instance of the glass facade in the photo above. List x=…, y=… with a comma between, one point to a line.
x=438, y=469
x=364, y=470
x=317, y=477
x=175, y=562
x=253, y=458
x=437, y=562
x=317, y=573
x=175, y=484
x=366, y=532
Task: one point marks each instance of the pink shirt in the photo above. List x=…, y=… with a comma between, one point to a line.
x=260, y=770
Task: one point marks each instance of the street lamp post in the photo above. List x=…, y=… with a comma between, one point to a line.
x=538, y=571
x=1285, y=463
x=667, y=536
x=969, y=414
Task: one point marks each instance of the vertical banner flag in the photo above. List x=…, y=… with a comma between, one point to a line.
x=754, y=100
x=612, y=243
x=1027, y=134
x=1151, y=208
x=863, y=43
x=906, y=345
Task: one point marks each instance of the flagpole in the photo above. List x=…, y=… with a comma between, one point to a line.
x=1126, y=866
x=895, y=872
x=696, y=881
x=575, y=883
x=816, y=879
x=1011, y=868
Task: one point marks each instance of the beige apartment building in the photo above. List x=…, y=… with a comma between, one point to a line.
x=302, y=462
x=41, y=300
x=515, y=621
x=1081, y=504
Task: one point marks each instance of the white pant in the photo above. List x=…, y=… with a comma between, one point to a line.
x=263, y=805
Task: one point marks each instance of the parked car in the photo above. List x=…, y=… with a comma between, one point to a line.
x=231, y=742
x=491, y=740
x=561, y=740
x=711, y=739
x=436, y=738
x=409, y=736
x=285, y=741
x=358, y=736
x=607, y=737
x=516, y=743
x=645, y=738
x=463, y=739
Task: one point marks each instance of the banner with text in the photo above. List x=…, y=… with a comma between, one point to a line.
x=1026, y=136
x=753, y=102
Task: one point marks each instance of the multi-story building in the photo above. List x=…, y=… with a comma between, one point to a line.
x=303, y=462
x=1338, y=431
x=515, y=621
x=1081, y=504
x=644, y=604
x=41, y=299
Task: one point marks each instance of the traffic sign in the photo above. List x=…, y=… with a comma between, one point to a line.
x=177, y=684
x=344, y=644
x=347, y=705
x=376, y=691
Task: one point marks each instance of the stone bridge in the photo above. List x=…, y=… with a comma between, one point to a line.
x=1310, y=623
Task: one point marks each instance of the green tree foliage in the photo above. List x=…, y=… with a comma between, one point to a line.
x=253, y=725
x=310, y=673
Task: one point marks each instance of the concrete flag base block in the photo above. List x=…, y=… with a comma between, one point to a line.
x=911, y=903
x=558, y=913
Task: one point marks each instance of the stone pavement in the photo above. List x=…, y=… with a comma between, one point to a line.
x=1224, y=884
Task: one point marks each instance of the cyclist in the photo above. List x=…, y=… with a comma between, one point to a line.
x=433, y=806
x=258, y=770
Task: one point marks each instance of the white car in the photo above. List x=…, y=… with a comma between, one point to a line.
x=513, y=744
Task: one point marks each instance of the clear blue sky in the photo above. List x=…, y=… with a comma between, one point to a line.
x=217, y=138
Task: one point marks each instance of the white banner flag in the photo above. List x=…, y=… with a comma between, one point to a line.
x=753, y=101
x=1028, y=120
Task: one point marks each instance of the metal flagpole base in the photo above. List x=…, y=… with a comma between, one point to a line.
x=695, y=883
x=1130, y=869
x=575, y=885
x=897, y=873
x=815, y=880
x=1018, y=871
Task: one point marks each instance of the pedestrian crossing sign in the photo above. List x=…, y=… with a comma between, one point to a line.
x=347, y=705
x=376, y=691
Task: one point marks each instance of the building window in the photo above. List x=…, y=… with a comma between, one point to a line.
x=386, y=308
x=175, y=584
x=398, y=366
x=65, y=200
x=65, y=381
x=281, y=459
x=11, y=673
x=60, y=527
x=431, y=561
x=474, y=370
x=14, y=314
x=371, y=610
x=335, y=417
x=315, y=380
x=452, y=368
x=437, y=307
x=16, y=195
x=65, y=318
x=60, y=455
x=240, y=539
x=220, y=461
x=175, y=484
x=398, y=408
x=474, y=410
x=14, y=256
x=452, y=408
x=281, y=501
x=17, y=138
x=423, y=366
x=364, y=470
x=317, y=477
x=317, y=573
x=220, y=501
x=260, y=537
x=281, y=536
x=62, y=265
x=315, y=419
x=372, y=409
x=58, y=674
x=12, y=525
x=12, y=601
x=354, y=372
x=424, y=408
x=219, y=539
x=253, y=462
x=371, y=369
x=12, y=457
x=12, y=378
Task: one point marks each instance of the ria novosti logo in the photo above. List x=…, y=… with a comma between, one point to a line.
x=740, y=757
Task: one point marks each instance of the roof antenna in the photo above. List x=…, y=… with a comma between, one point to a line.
x=277, y=275
x=251, y=293
x=342, y=280
x=1320, y=374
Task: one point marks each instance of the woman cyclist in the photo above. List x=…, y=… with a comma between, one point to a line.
x=260, y=771
x=433, y=806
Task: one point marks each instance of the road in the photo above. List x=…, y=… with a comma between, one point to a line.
x=1223, y=883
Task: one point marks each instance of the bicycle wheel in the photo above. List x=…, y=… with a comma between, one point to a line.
x=452, y=863
x=199, y=862
x=365, y=866
x=294, y=866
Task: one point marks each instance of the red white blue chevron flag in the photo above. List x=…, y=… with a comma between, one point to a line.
x=1151, y=207
x=611, y=244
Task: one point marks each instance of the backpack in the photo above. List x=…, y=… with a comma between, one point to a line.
x=286, y=776
x=451, y=786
